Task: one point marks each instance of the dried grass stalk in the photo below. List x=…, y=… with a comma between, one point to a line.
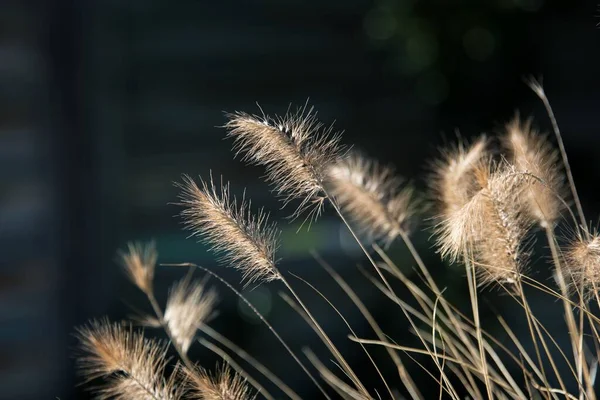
x=245, y=241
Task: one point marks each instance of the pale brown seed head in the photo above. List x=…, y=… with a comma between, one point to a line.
x=295, y=149
x=490, y=230
x=452, y=180
x=139, y=262
x=582, y=257
x=223, y=385
x=501, y=249
x=454, y=185
x=245, y=241
x=531, y=152
x=132, y=366
x=189, y=305
x=372, y=196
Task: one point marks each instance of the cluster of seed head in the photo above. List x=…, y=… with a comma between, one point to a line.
x=487, y=208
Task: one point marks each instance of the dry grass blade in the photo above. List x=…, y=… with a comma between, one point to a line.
x=372, y=196
x=132, y=366
x=250, y=360
x=351, y=331
x=402, y=372
x=531, y=152
x=342, y=388
x=262, y=319
x=245, y=241
x=189, y=306
x=223, y=385
x=296, y=150
x=236, y=368
x=139, y=262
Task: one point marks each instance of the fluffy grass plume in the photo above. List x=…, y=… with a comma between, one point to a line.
x=490, y=229
x=245, y=241
x=139, y=262
x=296, y=150
x=223, y=385
x=452, y=179
x=531, y=152
x=132, y=366
x=189, y=305
x=372, y=196
x=582, y=256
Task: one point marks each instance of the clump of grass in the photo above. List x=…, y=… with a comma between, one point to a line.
x=488, y=202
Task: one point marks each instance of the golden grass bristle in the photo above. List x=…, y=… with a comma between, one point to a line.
x=139, y=262
x=491, y=228
x=531, y=152
x=245, y=241
x=452, y=180
x=296, y=150
x=223, y=385
x=132, y=366
x=582, y=256
x=372, y=196
x=189, y=305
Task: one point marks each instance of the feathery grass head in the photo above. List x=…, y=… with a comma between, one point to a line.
x=189, y=305
x=490, y=229
x=139, y=262
x=296, y=150
x=373, y=196
x=452, y=181
x=133, y=367
x=502, y=225
x=582, y=257
x=223, y=385
x=531, y=152
x=245, y=241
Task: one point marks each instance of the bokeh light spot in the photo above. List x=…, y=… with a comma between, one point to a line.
x=479, y=43
x=421, y=51
x=529, y=5
x=432, y=88
x=380, y=23
x=261, y=298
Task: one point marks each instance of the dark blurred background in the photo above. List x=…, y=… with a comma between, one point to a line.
x=104, y=104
